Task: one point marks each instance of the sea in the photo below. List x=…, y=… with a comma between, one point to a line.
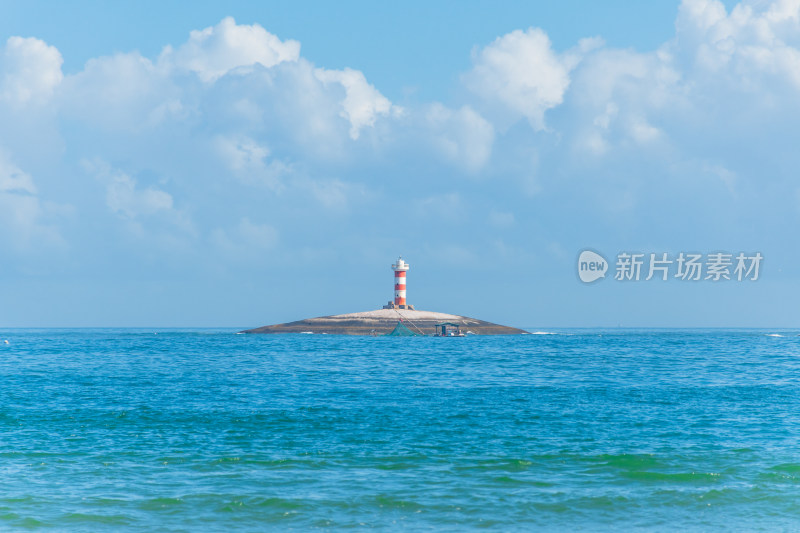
x=559, y=430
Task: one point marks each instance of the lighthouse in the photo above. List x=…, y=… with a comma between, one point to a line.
x=400, y=268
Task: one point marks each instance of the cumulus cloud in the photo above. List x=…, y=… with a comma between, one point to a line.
x=123, y=195
x=13, y=179
x=250, y=161
x=362, y=103
x=272, y=83
x=214, y=51
x=30, y=71
x=121, y=92
x=235, y=116
x=740, y=68
x=247, y=241
x=634, y=128
x=749, y=44
x=462, y=136
x=521, y=73
x=25, y=221
x=125, y=198
x=719, y=65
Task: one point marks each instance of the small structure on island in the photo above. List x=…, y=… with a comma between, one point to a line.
x=396, y=319
x=448, y=329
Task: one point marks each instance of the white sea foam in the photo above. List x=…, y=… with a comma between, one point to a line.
x=773, y=335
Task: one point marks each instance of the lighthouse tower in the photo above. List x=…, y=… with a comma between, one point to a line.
x=400, y=268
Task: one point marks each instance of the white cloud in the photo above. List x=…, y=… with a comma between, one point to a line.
x=123, y=195
x=13, y=179
x=362, y=103
x=462, y=136
x=618, y=95
x=317, y=108
x=642, y=132
x=727, y=177
x=121, y=92
x=125, y=198
x=236, y=117
x=740, y=68
x=25, y=222
x=752, y=45
x=217, y=50
x=247, y=241
x=250, y=161
x=521, y=72
x=501, y=219
x=146, y=212
x=243, y=153
x=700, y=19
x=334, y=194
x=448, y=207
x=262, y=236
x=30, y=70
x=129, y=92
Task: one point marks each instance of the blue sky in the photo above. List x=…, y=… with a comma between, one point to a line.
x=241, y=164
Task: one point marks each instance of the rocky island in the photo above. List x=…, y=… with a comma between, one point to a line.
x=383, y=322
x=396, y=316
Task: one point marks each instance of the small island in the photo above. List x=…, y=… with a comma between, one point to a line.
x=384, y=321
x=396, y=318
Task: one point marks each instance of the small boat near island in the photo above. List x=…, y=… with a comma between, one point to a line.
x=448, y=329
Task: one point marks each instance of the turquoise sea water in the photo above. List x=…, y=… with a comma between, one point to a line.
x=205, y=430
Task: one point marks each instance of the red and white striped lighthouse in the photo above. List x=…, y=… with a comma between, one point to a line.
x=400, y=268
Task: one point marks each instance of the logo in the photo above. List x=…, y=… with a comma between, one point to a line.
x=591, y=266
